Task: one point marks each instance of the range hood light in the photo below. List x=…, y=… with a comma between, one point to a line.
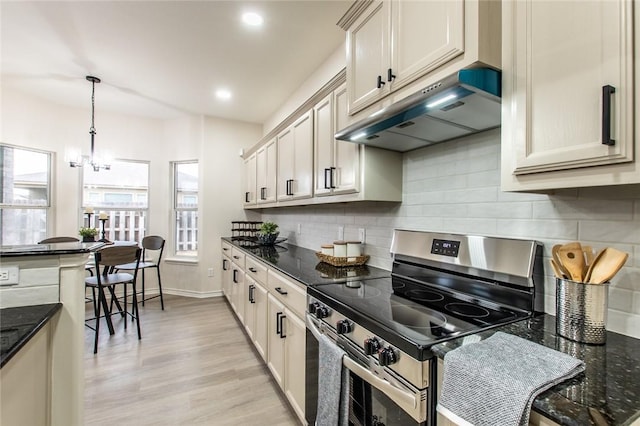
x=441, y=100
x=359, y=136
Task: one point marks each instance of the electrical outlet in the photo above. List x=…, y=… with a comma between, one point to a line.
x=299, y=228
x=210, y=272
x=9, y=275
x=340, y=233
x=361, y=235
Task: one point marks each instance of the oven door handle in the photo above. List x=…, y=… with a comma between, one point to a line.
x=402, y=398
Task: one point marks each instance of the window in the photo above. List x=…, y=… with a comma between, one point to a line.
x=185, y=202
x=24, y=201
x=122, y=194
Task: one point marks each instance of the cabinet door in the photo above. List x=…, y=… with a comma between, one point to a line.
x=285, y=164
x=323, y=146
x=266, y=172
x=554, y=97
x=295, y=332
x=249, y=306
x=276, y=341
x=260, y=332
x=418, y=47
x=250, y=180
x=303, y=156
x=346, y=155
x=237, y=292
x=368, y=56
x=226, y=277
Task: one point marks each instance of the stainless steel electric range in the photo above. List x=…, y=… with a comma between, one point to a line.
x=442, y=286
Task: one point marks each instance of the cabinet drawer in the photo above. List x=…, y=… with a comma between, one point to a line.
x=226, y=248
x=293, y=295
x=237, y=256
x=256, y=270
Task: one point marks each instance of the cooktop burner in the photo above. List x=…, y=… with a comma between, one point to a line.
x=467, y=310
x=424, y=295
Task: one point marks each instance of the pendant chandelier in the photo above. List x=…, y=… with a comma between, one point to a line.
x=91, y=159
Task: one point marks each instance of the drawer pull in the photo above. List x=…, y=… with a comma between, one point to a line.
x=236, y=257
x=253, y=270
x=607, y=91
x=281, y=291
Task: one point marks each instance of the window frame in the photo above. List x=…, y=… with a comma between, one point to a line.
x=175, y=210
x=47, y=207
x=143, y=212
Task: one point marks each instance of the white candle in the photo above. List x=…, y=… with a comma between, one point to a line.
x=88, y=210
x=102, y=216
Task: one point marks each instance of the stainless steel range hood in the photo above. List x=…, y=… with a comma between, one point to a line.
x=462, y=104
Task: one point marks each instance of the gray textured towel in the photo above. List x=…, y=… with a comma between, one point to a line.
x=496, y=380
x=333, y=385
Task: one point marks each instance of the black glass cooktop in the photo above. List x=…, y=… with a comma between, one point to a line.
x=411, y=316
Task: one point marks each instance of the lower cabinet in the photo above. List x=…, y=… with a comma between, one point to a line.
x=271, y=308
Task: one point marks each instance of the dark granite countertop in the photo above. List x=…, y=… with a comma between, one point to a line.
x=18, y=325
x=49, y=249
x=607, y=393
x=303, y=265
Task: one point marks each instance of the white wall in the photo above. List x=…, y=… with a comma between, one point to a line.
x=455, y=187
x=31, y=122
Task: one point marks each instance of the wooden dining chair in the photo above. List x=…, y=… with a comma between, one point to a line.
x=106, y=260
x=152, y=249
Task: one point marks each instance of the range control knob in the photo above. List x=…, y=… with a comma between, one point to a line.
x=344, y=326
x=371, y=346
x=322, y=312
x=312, y=307
x=387, y=356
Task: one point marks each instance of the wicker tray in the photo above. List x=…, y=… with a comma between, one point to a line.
x=342, y=261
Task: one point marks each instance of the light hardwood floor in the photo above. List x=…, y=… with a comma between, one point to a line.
x=193, y=366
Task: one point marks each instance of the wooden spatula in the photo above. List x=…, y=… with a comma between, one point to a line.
x=556, y=257
x=572, y=259
x=556, y=269
x=607, y=265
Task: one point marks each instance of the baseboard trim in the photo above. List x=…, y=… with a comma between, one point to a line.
x=191, y=293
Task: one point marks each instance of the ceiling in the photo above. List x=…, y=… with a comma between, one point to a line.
x=166, y=58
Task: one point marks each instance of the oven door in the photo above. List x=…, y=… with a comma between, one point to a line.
x=377, y=397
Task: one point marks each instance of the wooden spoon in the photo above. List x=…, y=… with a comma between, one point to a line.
x=556, y=270
x=607, y=265
x=556, y=257
x=572, y=259
x=588, y=257
x=587, y=276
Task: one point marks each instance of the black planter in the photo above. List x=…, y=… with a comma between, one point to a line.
x=89, y=239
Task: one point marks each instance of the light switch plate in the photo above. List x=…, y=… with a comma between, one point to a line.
x=361, y=235
x=9, y=275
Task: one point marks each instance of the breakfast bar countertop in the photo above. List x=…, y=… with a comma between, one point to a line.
x=49, y=249
x=607, y=393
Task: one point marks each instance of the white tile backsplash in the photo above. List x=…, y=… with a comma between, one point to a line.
x=455, y=187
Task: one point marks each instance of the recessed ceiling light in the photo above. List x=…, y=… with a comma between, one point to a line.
x=252, y=19
x=223, y=94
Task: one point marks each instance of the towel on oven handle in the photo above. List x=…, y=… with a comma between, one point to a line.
x=496, y=380
x=333, y=385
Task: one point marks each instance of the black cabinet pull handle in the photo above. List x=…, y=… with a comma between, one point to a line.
x=251, y=295
x=278, y=324
x=235, y=276
x=224, y=264
x=282, y=335
x=281, y=291
x=326, y=184
x=390, y=75
x=380, y=82
x=289, y=186
x=246, y=197
x=236, y=257
x=254, y=270
x=607, y=91
x=263, y=192
x=332, y=170
x=224, y=248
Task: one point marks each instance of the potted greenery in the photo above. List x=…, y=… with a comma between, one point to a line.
x=88, y=234
x=268, y=233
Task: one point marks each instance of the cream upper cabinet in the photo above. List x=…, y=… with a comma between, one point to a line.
x=568, y=101
x=336, y=163
x=395, y=42
x=295, y=160
x=266, y=163
x=250, y=181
